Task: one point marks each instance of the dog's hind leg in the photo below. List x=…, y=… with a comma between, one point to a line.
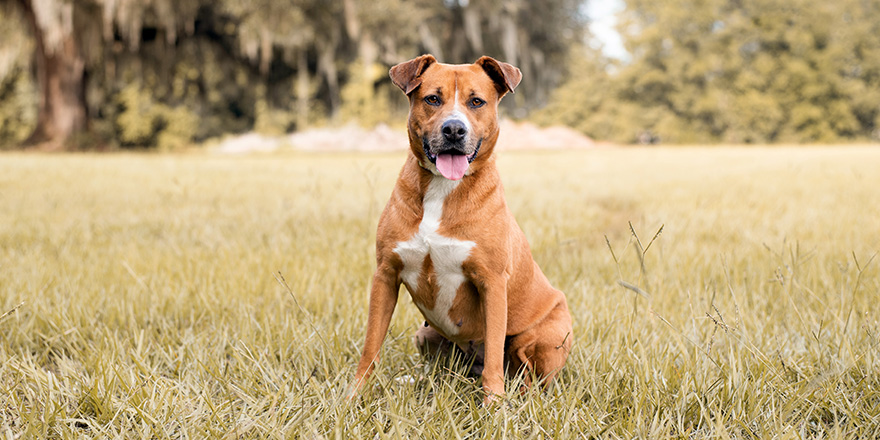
x=542, y=350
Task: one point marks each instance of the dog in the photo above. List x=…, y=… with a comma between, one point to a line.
x=449, y=237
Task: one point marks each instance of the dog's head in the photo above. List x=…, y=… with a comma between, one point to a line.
x=453, y=110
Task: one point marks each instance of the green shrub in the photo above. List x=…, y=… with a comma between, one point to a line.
x=145, y=122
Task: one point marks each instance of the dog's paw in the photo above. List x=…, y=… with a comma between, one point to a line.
x=353, y=390
x=492, y=398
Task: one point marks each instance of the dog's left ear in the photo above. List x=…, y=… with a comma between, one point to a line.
x=406, y=75
x=506, y=76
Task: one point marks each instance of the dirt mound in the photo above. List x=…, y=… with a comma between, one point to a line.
x=514, y=136
x=246, y=143
x=349, y=138
x=528, y=136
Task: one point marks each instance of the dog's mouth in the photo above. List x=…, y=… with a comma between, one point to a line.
x=451, y=162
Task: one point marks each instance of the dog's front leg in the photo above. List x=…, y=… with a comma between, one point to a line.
x=494, y=302
x=383, y=299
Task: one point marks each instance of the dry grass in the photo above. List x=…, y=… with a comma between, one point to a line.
x=139, y=299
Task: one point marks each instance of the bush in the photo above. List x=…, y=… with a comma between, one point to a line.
x=144, y=122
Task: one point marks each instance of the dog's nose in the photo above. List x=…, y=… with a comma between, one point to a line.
x=454, y=130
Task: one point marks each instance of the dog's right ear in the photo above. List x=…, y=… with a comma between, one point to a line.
x=406, y=75
x=506, y=76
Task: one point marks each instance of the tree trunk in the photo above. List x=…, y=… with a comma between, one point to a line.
x=302, y=90
x=60, y=77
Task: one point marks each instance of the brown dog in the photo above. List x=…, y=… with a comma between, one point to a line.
x=448, y=236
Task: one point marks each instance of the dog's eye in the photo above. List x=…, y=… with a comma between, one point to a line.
x=432, y=100
x=476, y=102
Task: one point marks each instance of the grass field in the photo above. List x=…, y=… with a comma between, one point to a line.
x=199, y=296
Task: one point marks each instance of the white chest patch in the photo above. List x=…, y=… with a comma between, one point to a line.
x=447, y=255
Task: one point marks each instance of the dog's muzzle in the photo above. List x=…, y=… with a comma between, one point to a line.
x=426, y=146
x=453, y=138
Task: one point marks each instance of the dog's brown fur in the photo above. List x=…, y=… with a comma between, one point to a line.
x=505, y=302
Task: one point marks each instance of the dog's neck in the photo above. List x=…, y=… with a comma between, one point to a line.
x=472, y=191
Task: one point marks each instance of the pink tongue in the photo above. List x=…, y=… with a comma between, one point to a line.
x=452, y=166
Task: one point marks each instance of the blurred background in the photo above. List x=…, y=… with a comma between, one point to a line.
x=170, y=74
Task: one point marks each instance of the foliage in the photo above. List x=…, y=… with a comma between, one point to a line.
x=17, y=94
x=748, y=71
x=17, y=112
x=143, y=121
x=138, y=297
x=360, y=101
x=275, y=66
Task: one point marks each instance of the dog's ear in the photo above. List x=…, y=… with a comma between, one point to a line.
x=406, y=75
x=506, y=76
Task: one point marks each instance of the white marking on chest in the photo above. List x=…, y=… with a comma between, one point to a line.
x=447, y=255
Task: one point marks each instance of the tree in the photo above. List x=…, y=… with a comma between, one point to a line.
x=59, y=69
x=744, y=71
x=68, y=45
x=168, y=72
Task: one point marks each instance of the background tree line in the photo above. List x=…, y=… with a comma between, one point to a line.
x=737, y=71
x=170, y=72
x=166, y=73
